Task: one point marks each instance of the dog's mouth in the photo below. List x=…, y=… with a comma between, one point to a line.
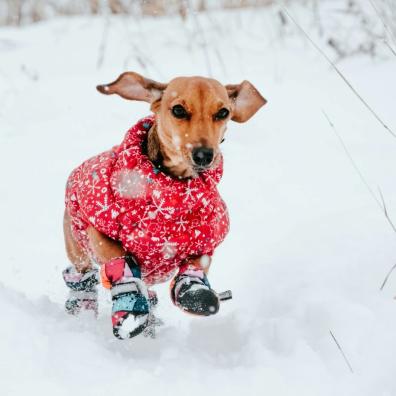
x=202, y=168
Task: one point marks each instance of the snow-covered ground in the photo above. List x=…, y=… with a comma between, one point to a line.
x=309, y=246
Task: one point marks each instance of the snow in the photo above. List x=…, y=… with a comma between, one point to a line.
x=131, y=323
x=308, y=248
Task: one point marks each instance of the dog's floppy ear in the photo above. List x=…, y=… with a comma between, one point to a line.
x=133, y=86
x=246, y=100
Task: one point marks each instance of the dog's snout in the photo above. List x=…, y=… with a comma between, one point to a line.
x=202, y=156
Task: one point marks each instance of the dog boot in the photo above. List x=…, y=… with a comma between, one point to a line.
x=83, y=295
x=131, y=300
x=191, y=292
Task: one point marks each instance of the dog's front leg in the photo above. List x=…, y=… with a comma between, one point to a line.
x=104, y=248
x=190, y=289
x=121, y=274
x=198, y=262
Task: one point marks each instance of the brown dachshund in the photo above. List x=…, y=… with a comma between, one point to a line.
x=190, y=119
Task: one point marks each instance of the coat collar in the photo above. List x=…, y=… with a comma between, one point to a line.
x=133, y=154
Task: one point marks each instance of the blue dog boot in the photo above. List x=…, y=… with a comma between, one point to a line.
x=131, y=299
x=83, y=295
x=131, y=308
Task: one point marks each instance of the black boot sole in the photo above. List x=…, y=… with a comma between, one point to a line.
x=203, y=302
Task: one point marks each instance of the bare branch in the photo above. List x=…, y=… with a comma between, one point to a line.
x=202, y=34
x=103, y=42
x=385, y=210
x=335, y=68
x=342, y=352
x=354, y=164
x=380, y=204
x=389, y=47
x=387, y=277
x=386, y=27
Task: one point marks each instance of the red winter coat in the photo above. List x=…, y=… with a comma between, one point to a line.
x=159, y=219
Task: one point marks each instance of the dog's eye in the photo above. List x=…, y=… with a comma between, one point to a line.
x=222, y=114
x=179, y=112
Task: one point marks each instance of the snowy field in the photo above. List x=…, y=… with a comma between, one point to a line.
x=308, y=249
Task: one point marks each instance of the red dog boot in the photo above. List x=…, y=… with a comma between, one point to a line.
x=131, y=300
x=83, y=295
x=191, y=292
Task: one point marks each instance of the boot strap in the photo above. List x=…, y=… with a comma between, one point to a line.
x=82, y=295
x=122, y=288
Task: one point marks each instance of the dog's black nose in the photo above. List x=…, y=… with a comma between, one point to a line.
x=202, y=156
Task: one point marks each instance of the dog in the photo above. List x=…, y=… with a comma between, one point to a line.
x=149, y=207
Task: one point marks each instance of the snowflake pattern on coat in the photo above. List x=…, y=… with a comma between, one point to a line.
x=161, y=220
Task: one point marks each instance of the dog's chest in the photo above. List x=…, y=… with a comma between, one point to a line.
x=162, y=206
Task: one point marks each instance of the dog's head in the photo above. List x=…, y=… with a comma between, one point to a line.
x=191, y=115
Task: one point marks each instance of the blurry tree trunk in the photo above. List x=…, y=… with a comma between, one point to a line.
x=116, y=7
x=94, y=6
x=14, y=16
x=182, y=9
x=202, y=6
x=245, y=3
x=36, y=11
x=153, y=7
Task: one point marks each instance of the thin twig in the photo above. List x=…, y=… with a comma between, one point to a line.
x=144, y=61
x=335, y=68
x=354, y=164
x=342, y=352
x=385, y=210
x=389, y=47
x=102, y=46
x=217, y=31
x=387, y=277
x=202, y=34
x=380, y=203
x=386, y=27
